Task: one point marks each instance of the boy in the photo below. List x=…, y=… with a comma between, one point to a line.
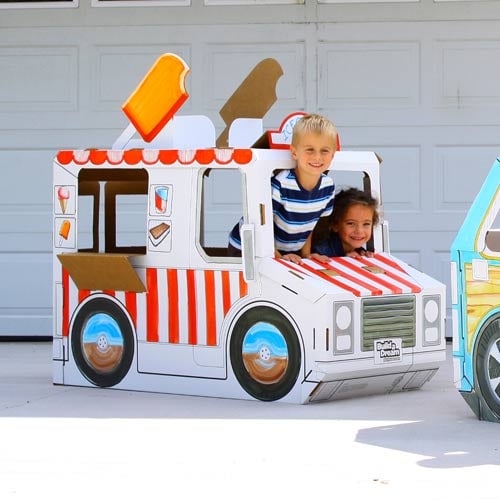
x=303, y=194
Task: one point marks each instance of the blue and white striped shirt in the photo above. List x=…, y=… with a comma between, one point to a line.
x=296, y=210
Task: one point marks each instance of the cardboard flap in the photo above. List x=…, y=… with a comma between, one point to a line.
x=102, y=271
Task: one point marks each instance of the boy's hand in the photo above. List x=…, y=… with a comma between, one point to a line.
x=292, y=257
x=288, y=256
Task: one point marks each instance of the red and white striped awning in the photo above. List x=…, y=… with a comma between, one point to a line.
x=154, y=156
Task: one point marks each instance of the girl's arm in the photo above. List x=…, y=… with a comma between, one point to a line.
x=306, y=251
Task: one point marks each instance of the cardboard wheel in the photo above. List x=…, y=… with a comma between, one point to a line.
x=487, y=364
x=102, y=342
x=265, y=353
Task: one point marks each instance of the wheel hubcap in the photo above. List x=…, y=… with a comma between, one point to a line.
x=493, y=366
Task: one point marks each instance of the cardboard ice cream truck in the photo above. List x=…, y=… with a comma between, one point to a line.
x=146, y=299
x=475, y=292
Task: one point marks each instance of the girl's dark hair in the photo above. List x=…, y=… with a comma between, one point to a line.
x=349, y=197
x=343, y=200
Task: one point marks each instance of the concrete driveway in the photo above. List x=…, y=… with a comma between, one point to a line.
x=63, y=442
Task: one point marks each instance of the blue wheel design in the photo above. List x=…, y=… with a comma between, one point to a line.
x=265, y=353
x=102, y=342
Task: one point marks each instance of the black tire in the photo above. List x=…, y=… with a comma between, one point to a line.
x=487, y=366
x=102, y=342
x=265, y=353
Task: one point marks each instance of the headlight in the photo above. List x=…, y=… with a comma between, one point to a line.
x=431, y=311
x=343, y=330
x=343, y=318
x=432, y=320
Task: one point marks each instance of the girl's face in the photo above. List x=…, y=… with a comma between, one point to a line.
x=355, y=228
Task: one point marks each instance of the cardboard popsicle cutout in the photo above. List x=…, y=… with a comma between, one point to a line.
x=253, y=98
x=158, y=97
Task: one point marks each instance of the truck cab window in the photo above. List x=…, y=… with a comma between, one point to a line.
x=492, y=239
x=355, y=179
x=221, y=208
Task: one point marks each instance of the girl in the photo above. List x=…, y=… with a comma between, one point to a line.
x=349, y=227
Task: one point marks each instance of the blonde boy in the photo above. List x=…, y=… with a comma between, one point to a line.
x=303, y=194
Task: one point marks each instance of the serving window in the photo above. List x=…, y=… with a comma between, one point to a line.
x=112, y=211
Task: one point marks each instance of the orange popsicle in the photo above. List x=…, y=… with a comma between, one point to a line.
x=157, y=98
x=64, y=230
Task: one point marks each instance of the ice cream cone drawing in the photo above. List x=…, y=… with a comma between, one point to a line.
x=64, y=231
x=63, y=196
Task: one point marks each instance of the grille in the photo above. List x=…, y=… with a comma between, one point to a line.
x=388, y=317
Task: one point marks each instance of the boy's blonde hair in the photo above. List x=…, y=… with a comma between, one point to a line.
x=315, y=124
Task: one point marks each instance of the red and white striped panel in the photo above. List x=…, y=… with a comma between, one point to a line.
x=179, y=307
x=378, y=275
x=72, y=297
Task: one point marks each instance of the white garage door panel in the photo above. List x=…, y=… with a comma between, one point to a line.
x=467, y=76
x=39, y=79
x=26, y=306
x=368, y=75
x=26, y=205
x=460, y=171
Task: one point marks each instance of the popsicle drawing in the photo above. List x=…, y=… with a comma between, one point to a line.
x=63, y=197
x=64, y=231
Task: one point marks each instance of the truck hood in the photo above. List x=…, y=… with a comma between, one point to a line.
x=381, y=274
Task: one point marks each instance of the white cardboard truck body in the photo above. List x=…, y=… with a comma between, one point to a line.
x=174, y=315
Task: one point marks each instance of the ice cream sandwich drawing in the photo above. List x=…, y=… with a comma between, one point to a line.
x=158, y=233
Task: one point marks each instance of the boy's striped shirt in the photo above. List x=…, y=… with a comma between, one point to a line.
x=296, y=210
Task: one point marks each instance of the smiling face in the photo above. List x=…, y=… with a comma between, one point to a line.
x=355, y=228
x=313, y=153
